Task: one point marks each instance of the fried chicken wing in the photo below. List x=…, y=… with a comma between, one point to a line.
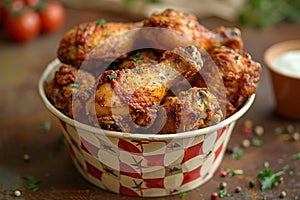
x=239, y=74
x=67, y=82
x=136, y=92
x=102, y=40
x=180, y=29
x=190, y=110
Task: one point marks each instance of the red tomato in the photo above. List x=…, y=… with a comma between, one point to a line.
x=13, y=7
x=52, y=16
x=23, y=27
x=2, y=13
x=32, y=3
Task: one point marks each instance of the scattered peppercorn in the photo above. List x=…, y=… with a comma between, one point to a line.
x=282, y=194
x=259, y=130
x=26, y=157
x=252, y=183
x=214, y=195
x=280, y=180
x=246, y=143
x=248, y=123
x=290, y=128
x=238, y=189
x=296, y=136
x=223, y=173
x=223, y=185
x=246, y=130
x=17, y=193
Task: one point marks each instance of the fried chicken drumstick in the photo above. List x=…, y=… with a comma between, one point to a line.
x=136, y=93
x=181, y=29
x=105, y=40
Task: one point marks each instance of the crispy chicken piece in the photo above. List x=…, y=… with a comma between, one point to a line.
x=181, y=29
x=134, y=94
x=239, y=74
x=192, y=109
x=96, y=40
x=139, y=58
x=67, y=82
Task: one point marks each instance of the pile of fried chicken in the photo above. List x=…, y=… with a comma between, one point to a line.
x=183, y=77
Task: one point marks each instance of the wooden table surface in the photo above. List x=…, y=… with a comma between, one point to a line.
x=22, y=114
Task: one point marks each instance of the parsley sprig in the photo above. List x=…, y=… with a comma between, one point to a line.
x=32, y=183
x=269, y=179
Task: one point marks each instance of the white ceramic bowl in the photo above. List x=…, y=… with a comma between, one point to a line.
x=141, y=164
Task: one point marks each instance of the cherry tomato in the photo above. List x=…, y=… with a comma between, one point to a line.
x=32, y=3
x=22, y=27
x=11, y=7
x=2, y=13
x=52, y=16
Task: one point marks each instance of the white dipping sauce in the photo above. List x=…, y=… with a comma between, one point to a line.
x=288, y=63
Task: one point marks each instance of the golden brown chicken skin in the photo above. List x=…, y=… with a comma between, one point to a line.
x=67, y=82
x=239, y=73
x=181, y=29
x=192, y=109
x=136, y=58
x=134, y=94
x=97, y=40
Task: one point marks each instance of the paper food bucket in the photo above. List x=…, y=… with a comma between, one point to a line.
x=140, y=164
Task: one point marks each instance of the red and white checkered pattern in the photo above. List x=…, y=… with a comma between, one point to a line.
x=137, y=167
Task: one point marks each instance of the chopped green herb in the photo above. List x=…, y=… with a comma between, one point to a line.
x=75, y=85
x=278, y=130
x=61, y=141
x=74, y=49
x=204, y=105
x=86, y=28
x=296, y=156
x=137, y=60
x=257, y=142
x=114, y=67
x=138, y=54
x=238, y=154
x=268, y=179
x=189, y=25
x=183, y=195
x=97, y=190
x=222, y=193
x=112, y=76
x=236, y=57
x=139, y=70
x=45, y=126
x=32, y=183
x=235, y=172
x=101, y=22
x=152, y=61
